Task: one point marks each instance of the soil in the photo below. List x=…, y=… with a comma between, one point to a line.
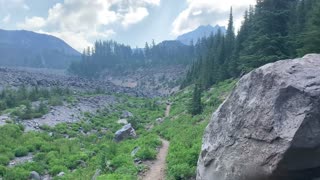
x=158, y=167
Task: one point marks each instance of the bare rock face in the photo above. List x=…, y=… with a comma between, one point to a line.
x=268, y=127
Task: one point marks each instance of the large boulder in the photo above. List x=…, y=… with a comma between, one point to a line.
x=125, y=132
x=269, y=126
x=34, y=176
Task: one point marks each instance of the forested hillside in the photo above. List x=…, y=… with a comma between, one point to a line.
x=272, y=30
x=115, y=56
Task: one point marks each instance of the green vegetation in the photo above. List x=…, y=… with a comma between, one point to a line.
x=19, y=102
x=185, y=131
x=117, y=57
x=195, y=104
x=81, y=148
x=272, y=30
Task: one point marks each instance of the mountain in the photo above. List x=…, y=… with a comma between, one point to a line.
x=200, y=32
x=30, y=49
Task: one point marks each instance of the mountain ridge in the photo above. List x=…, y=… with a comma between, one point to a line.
x=200, y=32
x=31, y=49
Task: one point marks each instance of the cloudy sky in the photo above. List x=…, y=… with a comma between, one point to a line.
x=133, y=22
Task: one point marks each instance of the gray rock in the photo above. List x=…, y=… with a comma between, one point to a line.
x=269, y=125
x=96, y=174
x=82, y=163
x=34, y=176
x=125, y=132
x=134, y=152
x=122, y=121
x=126, y=114
x=61, y=174
x=160, y=120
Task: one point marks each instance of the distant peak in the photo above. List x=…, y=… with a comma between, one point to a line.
x=200, y=32
x=205, y=26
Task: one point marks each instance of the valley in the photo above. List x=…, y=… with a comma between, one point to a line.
x=162, y=90
x=105, y=135
x=76, y=130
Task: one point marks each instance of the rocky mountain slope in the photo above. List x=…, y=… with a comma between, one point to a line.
x=162, y=80
x=30, y=49
x=200, y=32
x=146, y=82
x=268, y=127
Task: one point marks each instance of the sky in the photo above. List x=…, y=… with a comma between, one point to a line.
x=133, y=22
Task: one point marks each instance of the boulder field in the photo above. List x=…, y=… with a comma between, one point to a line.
x=268, y=127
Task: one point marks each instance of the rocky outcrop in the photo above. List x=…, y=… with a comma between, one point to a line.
x=34, y=175
x=269, y=126
x=125, y=132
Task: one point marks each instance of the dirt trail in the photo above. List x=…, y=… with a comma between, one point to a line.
x=167, y=113
x=157, y=168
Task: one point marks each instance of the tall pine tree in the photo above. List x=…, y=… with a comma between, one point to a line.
x=311, y=37
x=195, y=104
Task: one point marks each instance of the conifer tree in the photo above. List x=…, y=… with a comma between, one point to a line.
x=311, y=37
x=196, y=105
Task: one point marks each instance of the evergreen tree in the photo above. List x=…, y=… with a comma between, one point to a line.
x=196, y=105
x=230, y=62
x=147, y=50
x=311, y=37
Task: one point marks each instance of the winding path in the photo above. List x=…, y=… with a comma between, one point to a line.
x=157, y=168
x=167, y=113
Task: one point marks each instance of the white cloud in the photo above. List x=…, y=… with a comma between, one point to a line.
x=7, y=5
x=33, y=23
x=134, y=16
x=6, y=19
x=203, y=12
x=87, y=20
x=154, y=2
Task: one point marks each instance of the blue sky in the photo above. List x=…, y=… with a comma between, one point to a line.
x=133, y=22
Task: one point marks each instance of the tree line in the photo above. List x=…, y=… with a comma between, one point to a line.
x=110, y=55
x=272, y=30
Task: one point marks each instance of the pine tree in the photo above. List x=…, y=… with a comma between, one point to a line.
x=311, y=37
x=230, y=62
x=147, y=50
x=196, y=105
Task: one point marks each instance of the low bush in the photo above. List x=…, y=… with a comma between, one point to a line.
x=21, y=151
x=3, y=170
x=4, y=160
x=56, y=169
x=146, y=153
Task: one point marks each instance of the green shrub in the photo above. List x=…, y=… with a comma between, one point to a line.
x=21, y=151
x=45, y=127
x=16, y=173
x=181, y=171
x=3, y=170
x=116, y=177
x=34, y=166
x=10, y=155
x=129, y=170
x=146, y=154
x=121, y=160
x=55, y=101
x=56, y=169
x=4, y=160
x=39, y=157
